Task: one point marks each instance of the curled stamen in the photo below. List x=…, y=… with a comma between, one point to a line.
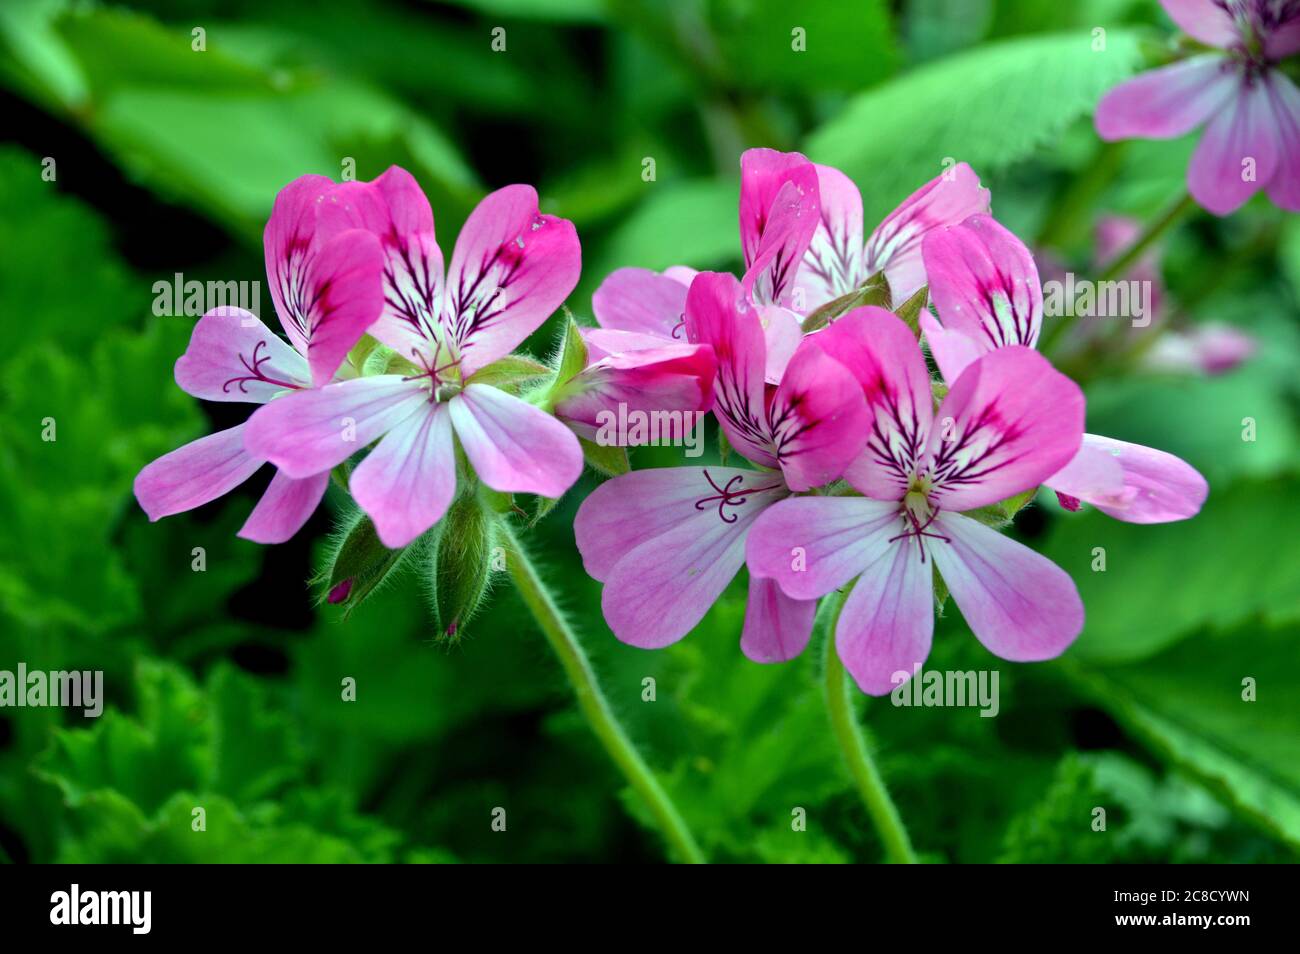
x=255, y=371
x=680, y=326
x=918, y=530
x=727, y=497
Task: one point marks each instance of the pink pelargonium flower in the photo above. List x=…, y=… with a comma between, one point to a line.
x=1009, y=421
x=674, y=379
x=1251, y=110
x=838, y=261
x=511, y=268
x=327, y=289
x=985, y=286
x=666, y=542
x=637, y=308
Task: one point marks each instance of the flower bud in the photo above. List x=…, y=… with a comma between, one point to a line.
x=358, y=563
x=459, y=564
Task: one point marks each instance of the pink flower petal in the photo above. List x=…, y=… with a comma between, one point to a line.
x=1284, y=97
x=1008, y=423
x=190, y=476
x=307, y=432
x=779, y=211
x=639, y=300
x=1238, y=153
x=287, y=243
x=777, y=628
x=514, y=446
x=1204, y=20
x=953, y=351
x=887, y=622
x=1152, y=486
x=232, y=356
x=1168, y=102
x=879, y=349
x=984, y=283
x=286, y=505
x=833, y=265
x=818, y=419
x=603, y=342
x=1283, y=39
x=673, y=383
x=396, y=211
x=511, y=269
x=407, y=482
x=782, y=333
x=345, y=295
x=813, y=545
x=1019, y=604
x=621, y=514
x=718, y=315
x=895, y=246
x=661, y=588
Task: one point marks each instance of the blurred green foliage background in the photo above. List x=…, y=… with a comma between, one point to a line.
x=223, y=686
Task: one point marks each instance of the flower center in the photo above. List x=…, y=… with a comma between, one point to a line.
x=918, y=512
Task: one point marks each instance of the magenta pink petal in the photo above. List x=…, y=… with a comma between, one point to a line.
x=1153, y=487
x=1008, y=423
x=639, y=300
x=818, y=419
x=345, y=289
x=984, y=283
x=895, y=246
x=511, y=269
x=833, y=264
x=232, y=356
x=407, y=482
x=1284, y=97
x=813, y=545
x=1168, y=102
x=1238, y=153
x=718, y=315
x=514, y=446
x=287, y=243
x=286, y=505
x=1019, y=604
x=786, y=233
x=887, y=622
x=1204, y=20
x=777, y=628
x=307, y=432
x=192, y=475
x=879, y=349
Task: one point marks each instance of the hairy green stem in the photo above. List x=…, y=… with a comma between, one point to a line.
x=592, y=703
x=853, y=746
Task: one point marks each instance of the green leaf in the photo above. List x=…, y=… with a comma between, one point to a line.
x=573, y=353
x=989, y=107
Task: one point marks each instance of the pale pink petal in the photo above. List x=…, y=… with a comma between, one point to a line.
x=286, y=505
x=345, y=296
x=511, y=269
x=1238, y=153
x=639, y=300
x=881, y=352
x=777, y=628
x=660, y=589
x=407, y=482
x=232, y=356
x=1008, y=423
x=1019, y=604
x=1284, y=97
x=887, y=622
x=621, y=514
x=952, y=351
x=1212, y=347
x=779, y=211
x=984, y=283
x=782, y=333
x=671, y=385
x=818, y=419
x=514, y=446
x=1167, y=102
x=1204, y=20
x=833, y=265
x=603, y=342
x=813, y=545
x=192, y=475
x=306, y=432
x=1283, y=38
x=718, y=315
x=895, y=246
x=395, y=209
x=681, y=273
x=287, y=244
x=1154, y=487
